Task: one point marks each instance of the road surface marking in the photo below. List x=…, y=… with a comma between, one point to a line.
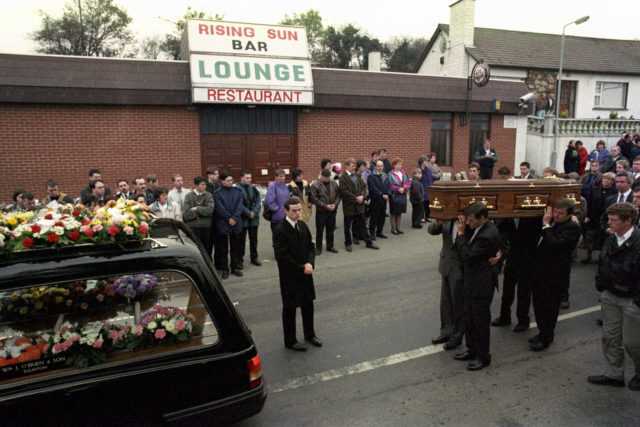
x=381, y=362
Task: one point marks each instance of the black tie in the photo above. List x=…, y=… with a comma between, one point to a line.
x=621, y=198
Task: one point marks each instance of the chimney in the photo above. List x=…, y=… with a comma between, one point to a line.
x=374, y=61
x=461, y=22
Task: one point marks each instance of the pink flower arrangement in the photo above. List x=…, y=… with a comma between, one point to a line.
x=160, y=333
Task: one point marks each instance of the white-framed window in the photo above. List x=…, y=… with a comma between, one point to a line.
x=611, y=95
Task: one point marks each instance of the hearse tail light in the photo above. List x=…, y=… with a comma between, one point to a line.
x=255, y=372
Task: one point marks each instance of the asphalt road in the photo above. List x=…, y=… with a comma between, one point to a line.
x=376, y=312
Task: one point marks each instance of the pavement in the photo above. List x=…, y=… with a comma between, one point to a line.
x=377, y=311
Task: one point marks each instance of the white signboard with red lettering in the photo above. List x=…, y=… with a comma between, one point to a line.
x=246, y=39
x=248, y=63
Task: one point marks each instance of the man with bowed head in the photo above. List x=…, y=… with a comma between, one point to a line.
x=197, y=210
x=295, y=254
x=478, y=241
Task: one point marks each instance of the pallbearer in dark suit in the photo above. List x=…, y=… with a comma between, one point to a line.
x=295, y=254
x=478, y=241
x=560, y=234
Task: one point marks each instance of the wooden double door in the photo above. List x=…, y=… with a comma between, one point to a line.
x=262, y=154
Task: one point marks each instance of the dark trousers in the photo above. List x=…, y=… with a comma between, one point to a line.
x=451, y=308
x=519, y=277
x=205, y=236
x=546, y=305
x=223, y=242
x=417, y=213
x=486, y=173
x=289, y=322
x=325, y=220
x=376, y=221
x=358, y=226
x=252, y=231
x=477, y=326
x=427, y=209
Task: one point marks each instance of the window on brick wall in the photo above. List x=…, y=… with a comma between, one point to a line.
x=441, y=124
x=479, y=133
x=611, y=95
x=229, y=119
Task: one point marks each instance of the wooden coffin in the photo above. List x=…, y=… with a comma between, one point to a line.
x=505, y=198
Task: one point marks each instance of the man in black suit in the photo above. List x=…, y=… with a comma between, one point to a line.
x=486, y=157
x=295, y=254
x=522, y=235
x=477, y=247
x=624, y=181
x=452, y=290
x=525, y=171
x=560, y=234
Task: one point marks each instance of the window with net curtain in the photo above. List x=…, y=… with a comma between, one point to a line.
x=611, y=95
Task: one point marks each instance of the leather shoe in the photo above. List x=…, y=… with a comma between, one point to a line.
x=225, y=274
x=477, y=364
x=634, y=384
x=237, y=273
x=604, y=380
x=348, y=248
x=521, y=327
x=314, y=341
x=451, y=344
x=332, y=250
x=499, y=321
x=382, y=236
x=256, y=262
x=356, y=241
x=296, y=346
x=440, y=339
x=538, y=345
x=466, y=355
x=372, y=246
x=318, y=251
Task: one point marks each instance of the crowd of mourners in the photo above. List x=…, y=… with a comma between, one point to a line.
x=534, y=254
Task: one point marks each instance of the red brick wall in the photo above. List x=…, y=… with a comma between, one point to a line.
x=41, y=142
x=339, y=134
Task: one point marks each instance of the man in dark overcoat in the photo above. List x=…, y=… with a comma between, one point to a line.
x=560, y=235
x=353, y=191
x=477, y=247
x=228, y=222
x=295, y=254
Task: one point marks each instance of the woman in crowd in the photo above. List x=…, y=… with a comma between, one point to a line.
x=436, y=172
x=427, y=181
x=594, y=234
x=582, y=153
x=400, y=184
x=163, y=207
x=571, y=158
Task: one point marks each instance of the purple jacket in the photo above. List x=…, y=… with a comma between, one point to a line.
x=427, y=181
x=276, y=195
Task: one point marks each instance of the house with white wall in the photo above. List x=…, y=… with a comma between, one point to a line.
x=600, y=78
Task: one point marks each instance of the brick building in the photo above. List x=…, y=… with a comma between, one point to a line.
x=61, y=116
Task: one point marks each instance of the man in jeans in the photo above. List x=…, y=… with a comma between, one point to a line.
x=326, y=197
x=618, y=279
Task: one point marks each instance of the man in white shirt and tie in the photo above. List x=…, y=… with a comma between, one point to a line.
x=635, y=168
x=178, y=193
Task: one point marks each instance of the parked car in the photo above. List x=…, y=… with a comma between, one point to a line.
x=123, y=334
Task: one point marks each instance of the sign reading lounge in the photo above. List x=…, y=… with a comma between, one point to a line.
x=248, y=63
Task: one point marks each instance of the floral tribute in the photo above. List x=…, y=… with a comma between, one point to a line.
x=22, y=349
x=135, y=286
x=88, y=344
x=168, y=325
x=78, y=296
x=71, y=224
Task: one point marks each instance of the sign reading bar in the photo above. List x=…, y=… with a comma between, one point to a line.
x=246, y=39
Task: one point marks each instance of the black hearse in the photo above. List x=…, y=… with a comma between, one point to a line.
x=109, y=334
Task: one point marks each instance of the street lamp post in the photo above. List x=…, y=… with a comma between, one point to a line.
x=554, y=154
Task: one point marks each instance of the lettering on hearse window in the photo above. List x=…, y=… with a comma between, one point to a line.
x=93, y=322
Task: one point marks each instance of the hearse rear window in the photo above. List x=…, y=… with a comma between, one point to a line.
x=87, y=324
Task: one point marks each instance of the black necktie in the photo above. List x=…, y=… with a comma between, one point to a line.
x=621, y=198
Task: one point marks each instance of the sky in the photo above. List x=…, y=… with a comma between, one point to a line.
x=616, y=19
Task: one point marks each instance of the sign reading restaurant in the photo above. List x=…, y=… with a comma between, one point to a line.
x=233, y=63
